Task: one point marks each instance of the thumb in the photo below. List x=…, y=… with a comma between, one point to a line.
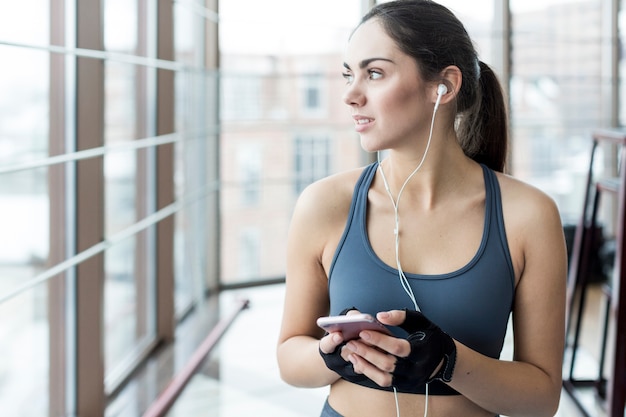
x=329, y=343
x=392, y=317
x=415, y=321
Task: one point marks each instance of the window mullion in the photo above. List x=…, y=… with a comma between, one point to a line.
x=89, y=212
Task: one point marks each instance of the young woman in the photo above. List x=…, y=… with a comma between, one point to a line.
x=434, y=240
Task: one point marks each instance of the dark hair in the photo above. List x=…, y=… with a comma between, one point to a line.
x=434, y=36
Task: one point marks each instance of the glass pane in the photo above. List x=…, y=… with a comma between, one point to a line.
x=283, y=122
x=24, y=213
x=556, y=86
x=183, y=235
x=24, y=108
x=25, y=358
x=120, y=175
x=196, y=116
x=24, y=318
x=478, y=19
x=194, y=165
x=188, y=234
x=129, y=307
x=14, y=29
x=120, y=17
x=129, y=285
x=120, y=304
x=187, y=34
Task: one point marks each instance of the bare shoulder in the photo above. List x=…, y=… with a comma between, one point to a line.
x=525, y=202
x=321, y=211
x=532, y=221
x=329, y=197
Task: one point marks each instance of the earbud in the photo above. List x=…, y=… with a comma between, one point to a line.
x=441, y=90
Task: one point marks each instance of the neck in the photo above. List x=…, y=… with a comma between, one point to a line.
x=439, y=174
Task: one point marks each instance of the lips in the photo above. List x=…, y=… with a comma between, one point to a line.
x=362, y=123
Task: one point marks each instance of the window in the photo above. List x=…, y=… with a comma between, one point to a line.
x=87, y=144
x=312, y=160
x=249, y=255
x=313, y=95
x=280, y=79
x=556, y=95
x=241, y=97
x=25, y=316
x=249, y=163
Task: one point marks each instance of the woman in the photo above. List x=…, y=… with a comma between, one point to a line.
x=435, y=240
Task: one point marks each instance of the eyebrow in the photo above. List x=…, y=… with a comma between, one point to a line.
x=366, y=62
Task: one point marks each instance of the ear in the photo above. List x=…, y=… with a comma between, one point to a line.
x=452, y=78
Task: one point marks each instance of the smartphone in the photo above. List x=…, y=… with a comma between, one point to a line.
x=351, y=325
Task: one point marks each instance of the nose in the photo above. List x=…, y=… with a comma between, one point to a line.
x=354, y=95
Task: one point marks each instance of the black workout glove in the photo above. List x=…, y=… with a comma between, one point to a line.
x=336, y=363
x=429, y=345
x=344, y=368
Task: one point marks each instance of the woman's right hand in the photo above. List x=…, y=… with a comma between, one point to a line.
x=335, y=354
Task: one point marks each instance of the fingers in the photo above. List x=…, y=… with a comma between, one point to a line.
x=378, y=358
x=392, y=318
x=387, y=344
x=362, y=366
x=373, y=355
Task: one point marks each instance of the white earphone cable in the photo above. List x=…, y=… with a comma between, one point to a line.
x=396, y=204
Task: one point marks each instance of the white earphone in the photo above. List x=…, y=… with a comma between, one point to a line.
x=441, y=90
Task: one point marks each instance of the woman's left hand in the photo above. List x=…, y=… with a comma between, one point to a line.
x=404, y=363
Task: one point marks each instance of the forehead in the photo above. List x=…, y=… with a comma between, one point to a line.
x=371, y=40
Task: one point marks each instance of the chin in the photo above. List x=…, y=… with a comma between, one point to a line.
x=369, y=146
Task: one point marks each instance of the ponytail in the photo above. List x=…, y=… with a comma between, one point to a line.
x=483, y=128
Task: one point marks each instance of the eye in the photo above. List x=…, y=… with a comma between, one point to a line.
x=374, y=74
x=348, y=77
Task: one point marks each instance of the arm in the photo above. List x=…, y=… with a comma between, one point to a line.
x=317, y=221
x=531, y=383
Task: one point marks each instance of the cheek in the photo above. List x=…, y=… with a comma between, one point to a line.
x=401, y=102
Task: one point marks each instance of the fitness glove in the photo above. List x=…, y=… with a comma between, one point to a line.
x=429, y=346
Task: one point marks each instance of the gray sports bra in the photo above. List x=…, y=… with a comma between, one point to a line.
x=471, y=304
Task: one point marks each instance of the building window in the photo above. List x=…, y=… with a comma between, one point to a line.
x=241, y=97
x=249, y=254
x=312, y=91
x=312, y=159
x=249, y=163
x=312, y=97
